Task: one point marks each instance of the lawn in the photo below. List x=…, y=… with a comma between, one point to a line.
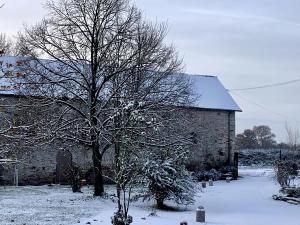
x=45, y=205
x=247, y=201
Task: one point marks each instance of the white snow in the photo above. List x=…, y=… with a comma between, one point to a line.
x=211, y=94
x=45, y=205
x=7, y=63
x=247, y=201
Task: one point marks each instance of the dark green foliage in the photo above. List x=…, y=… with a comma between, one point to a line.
x=258, y=137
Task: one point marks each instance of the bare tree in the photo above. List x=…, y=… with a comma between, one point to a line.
x=293, y=138
x=147, y=120
x=6, y=45
x=103, y=67
x=287, y=167
x=80, y=36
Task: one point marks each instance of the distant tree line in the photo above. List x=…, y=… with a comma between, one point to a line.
x=261, y=137
x=257, y=137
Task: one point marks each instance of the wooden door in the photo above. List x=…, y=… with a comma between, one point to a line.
x=63, y=167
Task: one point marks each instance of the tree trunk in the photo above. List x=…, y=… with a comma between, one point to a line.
x=97, y=156
x=117, y=169
x=97, y=161
x=160, y=203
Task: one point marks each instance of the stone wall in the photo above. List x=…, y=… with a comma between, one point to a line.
x=212, y=132
x=40, y=165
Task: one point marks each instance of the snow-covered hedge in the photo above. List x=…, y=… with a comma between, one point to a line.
x=262, y=157
x=207, y=175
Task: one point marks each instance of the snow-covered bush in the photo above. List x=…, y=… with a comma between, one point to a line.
x=292, y=192
x=207, y=175
x=167, y=178
x=263, y=157
x=286, y=172
x=120, y=219
x=258, y=157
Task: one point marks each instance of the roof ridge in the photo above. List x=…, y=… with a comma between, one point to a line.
x=202, y=75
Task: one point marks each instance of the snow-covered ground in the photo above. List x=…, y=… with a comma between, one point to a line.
x=247, y=201
x=46, y=205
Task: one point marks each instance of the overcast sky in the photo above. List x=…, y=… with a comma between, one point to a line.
x=245, y=43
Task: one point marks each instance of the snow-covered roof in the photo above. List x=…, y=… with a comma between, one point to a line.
x=211, y=94
x=8, y=70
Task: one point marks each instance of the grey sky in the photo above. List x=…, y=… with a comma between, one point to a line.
x=245, y=43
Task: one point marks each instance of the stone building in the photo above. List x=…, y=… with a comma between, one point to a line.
x=213, y=133
x=213, y=114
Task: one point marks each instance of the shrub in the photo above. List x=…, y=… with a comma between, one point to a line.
x=207, y=175
x=167, y=178
x=286, y=172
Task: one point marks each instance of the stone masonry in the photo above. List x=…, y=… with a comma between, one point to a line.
x=213, y=133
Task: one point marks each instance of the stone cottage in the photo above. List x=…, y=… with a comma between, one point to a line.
x=213, y=116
